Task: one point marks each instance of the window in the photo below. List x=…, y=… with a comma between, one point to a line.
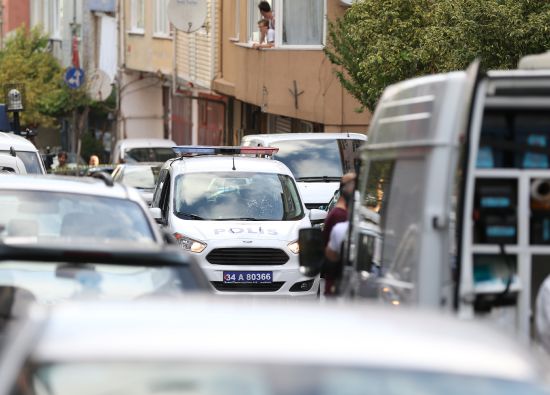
x=298, y=23
x=162, y=25
x=56, y=18
x=137, y=16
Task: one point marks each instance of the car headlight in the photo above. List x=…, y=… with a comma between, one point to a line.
x=189, y=244
x=294, y=247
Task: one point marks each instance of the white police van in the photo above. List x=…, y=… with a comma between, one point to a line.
x=239, y=215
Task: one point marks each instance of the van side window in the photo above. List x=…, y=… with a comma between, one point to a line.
x=165, y=197
x=158, y=188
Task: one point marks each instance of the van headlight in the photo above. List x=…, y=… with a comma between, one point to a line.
x=189, y=244
x=294, y=247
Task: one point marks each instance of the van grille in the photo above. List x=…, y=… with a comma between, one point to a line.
x=247, y=256
x=272, y=287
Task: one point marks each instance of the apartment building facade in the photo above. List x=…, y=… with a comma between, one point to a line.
x=13, y=14
x=290, y=87
x=145, y=58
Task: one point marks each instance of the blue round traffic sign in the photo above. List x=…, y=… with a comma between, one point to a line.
x=74, y=77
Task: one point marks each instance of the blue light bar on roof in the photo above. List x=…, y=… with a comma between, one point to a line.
x=194, y=150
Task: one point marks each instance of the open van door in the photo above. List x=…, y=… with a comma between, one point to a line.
x=409, y=177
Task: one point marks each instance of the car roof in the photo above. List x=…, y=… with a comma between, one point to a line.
x=206, y=163
x=273, y=137
x=18, y=143
x=234, y=330
x=149, y=142
x=67, y=184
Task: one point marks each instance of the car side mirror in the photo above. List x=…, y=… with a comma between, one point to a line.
x=312, y=252
x=156, y=213
x=316, y=215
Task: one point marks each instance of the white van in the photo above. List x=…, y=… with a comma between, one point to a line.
x=239, y=217
x=143, y=150
x=16, y=146
x=317, y=160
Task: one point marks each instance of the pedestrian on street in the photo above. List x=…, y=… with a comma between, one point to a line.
x=62, y=160
x=338, y=214
x=94, y=160
x=542, y=318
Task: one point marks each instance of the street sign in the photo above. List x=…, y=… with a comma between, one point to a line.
x=74, y=77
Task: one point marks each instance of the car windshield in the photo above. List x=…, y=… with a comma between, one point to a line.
x=53, y=282
x=141, y=177
x=148, y=154
x=31, y=160
x=41, y=216
x=319, y=160
x=235, y=379
x=237, y=196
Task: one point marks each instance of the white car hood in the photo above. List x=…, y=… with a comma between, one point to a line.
x=241, y=230
x=317, y=192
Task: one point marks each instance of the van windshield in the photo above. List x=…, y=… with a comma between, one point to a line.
x=30, y=159
x=318, y=160
x=226, y=196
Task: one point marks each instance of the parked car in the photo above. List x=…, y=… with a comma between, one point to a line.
x=67, y=210
x=12, y=165
x=17, y=146
x=142, y=176
x=143, y=150
x=317, y=160
x=229, y=347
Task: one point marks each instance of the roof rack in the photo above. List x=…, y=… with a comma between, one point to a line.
x=197, y=150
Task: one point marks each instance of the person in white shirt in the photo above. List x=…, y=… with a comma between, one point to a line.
x=542, y=317
x=334, y=247
x=267, y=35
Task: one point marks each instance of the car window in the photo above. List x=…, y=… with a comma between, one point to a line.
x=258, y=379
x=140, y=177
x=237, y=195
x=44, y=216
x=32, y=161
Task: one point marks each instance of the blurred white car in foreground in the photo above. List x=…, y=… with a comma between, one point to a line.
x=181, y=347
x=71, y=210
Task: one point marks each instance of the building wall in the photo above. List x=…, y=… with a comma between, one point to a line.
x=197, y=54
x=267, y=77
x=146, y=64
x=141, y=108
x=15, y=14
x=146, y=52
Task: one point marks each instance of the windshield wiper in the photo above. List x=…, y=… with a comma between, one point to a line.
x=189, y=216
x=319, y=179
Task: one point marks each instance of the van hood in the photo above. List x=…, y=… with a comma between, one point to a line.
x=317, y=192
x=239, y=230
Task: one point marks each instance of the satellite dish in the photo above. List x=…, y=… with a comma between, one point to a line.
x=187, y=15
x=99, y=85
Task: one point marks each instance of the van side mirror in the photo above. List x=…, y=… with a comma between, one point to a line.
x=311, y=251
x=156, y=213
x=317, y=216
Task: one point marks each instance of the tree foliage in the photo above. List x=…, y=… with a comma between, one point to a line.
x=380, y=42
x=26, y=60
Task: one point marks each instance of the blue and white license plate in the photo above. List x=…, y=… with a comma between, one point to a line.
x=247, y=277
